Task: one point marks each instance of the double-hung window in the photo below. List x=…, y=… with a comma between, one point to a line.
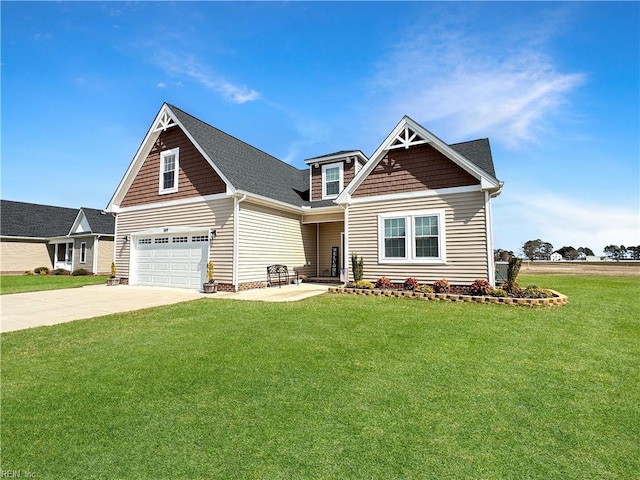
x=412, y=237
x=169, y=166
x=332, y=177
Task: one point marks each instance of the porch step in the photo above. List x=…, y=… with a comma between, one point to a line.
x=322, y=280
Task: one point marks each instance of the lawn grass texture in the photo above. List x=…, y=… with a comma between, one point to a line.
x=36, y=283
x=333, y=387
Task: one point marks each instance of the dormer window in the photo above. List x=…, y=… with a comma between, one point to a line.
x=169, y=164
x=332, y=178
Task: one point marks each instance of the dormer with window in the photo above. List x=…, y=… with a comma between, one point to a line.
x=330, y=174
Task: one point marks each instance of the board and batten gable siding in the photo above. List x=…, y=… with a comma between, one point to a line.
x=348, y=171
x=411, y=170
x=18, y=256
x=214, y=214
x=271, y=237
x=196, y=178
x=466, y=239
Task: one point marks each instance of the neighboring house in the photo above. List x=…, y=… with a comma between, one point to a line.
x=555, y=257
x=192, y=193
x=33, y=235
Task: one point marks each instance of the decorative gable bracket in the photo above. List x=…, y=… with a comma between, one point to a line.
x=406, y=138
x=164, y=122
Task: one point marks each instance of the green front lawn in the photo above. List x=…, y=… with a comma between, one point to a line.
x=36, y=283
x=333, y=387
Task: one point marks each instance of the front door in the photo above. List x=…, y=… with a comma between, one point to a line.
x=63, y=256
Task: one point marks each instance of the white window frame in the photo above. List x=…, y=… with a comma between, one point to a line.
x=83, y=252
x=176, y=169
x=410, y=254
x=340, y=166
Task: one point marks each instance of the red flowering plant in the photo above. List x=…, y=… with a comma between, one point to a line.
x=411, y=283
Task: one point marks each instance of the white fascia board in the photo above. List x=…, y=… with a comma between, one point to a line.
x=172, y=230
x=417, y=194
x=172, y=203
x=34, y=239
x=340, y=156
x=143, y=151
x=269, y=202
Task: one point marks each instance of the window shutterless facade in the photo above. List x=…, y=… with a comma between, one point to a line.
x=169, y=167
x=412, y=237
x=332, y=179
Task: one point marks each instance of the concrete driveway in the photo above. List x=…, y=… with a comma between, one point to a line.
x=35, y=309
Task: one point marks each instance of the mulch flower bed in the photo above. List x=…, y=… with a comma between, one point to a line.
x=456, y=294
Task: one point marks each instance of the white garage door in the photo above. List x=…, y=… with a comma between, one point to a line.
x=178, y=260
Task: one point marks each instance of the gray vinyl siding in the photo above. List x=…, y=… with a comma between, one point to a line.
x=271, y=237
x=21, y=256
x=466, y=239
x=88, y=264
x=215, y=214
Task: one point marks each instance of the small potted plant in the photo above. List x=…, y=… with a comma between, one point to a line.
x=113, y=280
x=210, y=286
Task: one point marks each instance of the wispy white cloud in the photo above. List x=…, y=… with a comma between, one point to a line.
x=189, y=67
x=468, y=85
x=562, y=221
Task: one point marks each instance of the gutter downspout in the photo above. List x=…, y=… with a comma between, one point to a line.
x=236, y=237
x=491, y=275
x=345, y=254
x=96, y=242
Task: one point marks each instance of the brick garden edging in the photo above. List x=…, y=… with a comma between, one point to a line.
x=557, y=299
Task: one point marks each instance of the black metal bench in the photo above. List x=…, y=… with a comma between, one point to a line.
x=277, y=274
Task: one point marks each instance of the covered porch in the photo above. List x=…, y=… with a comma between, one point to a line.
x=330, y=261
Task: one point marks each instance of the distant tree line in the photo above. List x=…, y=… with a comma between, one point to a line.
x=540, y=250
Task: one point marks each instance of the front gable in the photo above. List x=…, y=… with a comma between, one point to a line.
x=194, y=176
x=413, y=159
x=419, y=167
x=80, y=225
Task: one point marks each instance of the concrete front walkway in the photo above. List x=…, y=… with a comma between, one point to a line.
x=19, y=311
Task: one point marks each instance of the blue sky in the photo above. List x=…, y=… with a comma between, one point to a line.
x=554, y=86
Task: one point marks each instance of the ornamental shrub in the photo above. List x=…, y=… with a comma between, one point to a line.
x=424, y=289
x=499, y=292
x=61, y=271
x=364, y=284
x=411, y=283
x=383, y=282
x=80, y=272
x=441, y=286
x=512, y=274
x=41, y=270
x=533, y=291
x=481, y=286
x=357, y=267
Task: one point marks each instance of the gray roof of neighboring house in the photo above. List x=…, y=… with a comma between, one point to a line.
x=99, y=222
x=31, y=220
x=252, y=170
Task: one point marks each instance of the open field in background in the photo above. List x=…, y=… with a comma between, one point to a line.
x=581, y=268
x=333, y=387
